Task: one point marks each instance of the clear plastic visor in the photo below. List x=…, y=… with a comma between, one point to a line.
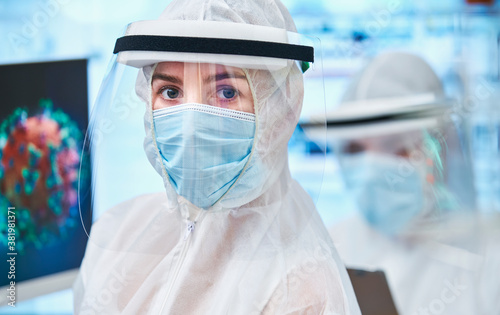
x=197, y=132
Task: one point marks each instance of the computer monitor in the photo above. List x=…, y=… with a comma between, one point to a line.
x=43, y=117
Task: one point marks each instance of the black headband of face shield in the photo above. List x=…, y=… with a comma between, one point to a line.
x=214, y=46
x=387, y=118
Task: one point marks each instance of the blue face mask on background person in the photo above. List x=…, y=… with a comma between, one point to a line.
x=387, y=190
x=204, y=148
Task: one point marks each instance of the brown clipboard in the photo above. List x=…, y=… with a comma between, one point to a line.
x=372, y=292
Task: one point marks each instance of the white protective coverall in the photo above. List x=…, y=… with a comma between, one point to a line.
x=261, y=249
x=441, y=261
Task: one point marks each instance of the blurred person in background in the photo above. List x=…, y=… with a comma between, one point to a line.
x=407, y=166
x=230, y=232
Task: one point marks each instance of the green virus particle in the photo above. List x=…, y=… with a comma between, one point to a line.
x=39, y=164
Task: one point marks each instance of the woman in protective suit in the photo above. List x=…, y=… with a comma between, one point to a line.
x=229, y=231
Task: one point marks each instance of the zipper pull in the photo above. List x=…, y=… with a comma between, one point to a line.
x=190, y=228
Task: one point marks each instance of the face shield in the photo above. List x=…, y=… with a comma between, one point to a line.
x=210, y=105
x=399, y=163
x=402, y=158
x=405, y=171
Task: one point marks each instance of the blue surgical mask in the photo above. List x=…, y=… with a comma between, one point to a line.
x=204, y=149
x=387, y=190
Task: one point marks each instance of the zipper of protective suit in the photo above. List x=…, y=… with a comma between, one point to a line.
x=190, y=226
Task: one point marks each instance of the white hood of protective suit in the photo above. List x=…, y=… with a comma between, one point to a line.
x=264, y=251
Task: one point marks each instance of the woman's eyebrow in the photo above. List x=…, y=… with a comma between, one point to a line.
x=166, y=77
x=223, y=76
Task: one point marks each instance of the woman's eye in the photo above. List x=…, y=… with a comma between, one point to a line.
x=170, y=93
x=227, y=93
